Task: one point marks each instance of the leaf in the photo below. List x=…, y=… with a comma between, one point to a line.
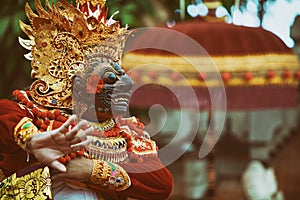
x=127, y=19
x=129, y=7
x=15, y=23
x=4, y=22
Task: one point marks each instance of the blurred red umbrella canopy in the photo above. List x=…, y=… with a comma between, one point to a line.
x=253, y=66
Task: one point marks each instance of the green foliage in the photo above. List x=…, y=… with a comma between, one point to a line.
x=11, y=55
x=227, y=4
x=130, y=11
x=4, y=23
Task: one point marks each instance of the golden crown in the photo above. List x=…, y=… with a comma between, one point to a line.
x=61, y=36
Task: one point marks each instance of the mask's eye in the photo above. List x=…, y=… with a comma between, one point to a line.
x=117, y=67
x=109, y=77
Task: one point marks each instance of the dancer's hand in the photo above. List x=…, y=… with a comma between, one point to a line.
x=48, y=146
x=78, y=169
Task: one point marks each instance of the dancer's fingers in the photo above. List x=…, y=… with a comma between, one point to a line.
x=81, y=145
x=65, y=127
x=73, y=132
x=55, y=164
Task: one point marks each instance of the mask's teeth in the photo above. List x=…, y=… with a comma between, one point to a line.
x=116, y=100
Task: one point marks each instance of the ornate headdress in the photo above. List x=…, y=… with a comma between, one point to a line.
x=60, y=39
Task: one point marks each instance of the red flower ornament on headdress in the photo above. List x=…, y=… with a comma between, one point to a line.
x=94, y=84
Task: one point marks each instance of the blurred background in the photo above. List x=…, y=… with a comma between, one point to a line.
x=257, y=156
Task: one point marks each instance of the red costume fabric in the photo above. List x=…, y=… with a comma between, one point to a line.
x=150, y=185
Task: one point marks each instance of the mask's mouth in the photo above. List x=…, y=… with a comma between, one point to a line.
x=120, y=99
x=113, y=101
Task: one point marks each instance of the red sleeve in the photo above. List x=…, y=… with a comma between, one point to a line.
x=13, y=157
x=146, y=183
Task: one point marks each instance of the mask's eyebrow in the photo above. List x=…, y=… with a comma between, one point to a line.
x=118, y=68
x=110, y=69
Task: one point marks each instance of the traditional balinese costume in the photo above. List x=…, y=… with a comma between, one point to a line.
x=125, y=161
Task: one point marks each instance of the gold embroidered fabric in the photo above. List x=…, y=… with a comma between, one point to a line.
x=110, y=176
x=2, y=176
x=23, y=131
x=35, y=185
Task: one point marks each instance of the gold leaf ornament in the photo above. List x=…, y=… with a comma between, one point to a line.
x=80, y=29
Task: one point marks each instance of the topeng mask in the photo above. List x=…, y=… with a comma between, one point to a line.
x=103, y=90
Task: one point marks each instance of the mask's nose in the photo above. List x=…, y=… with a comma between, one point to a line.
x=125, y=83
